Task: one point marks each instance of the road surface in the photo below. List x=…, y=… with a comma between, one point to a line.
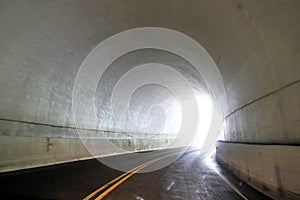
x=189, y=177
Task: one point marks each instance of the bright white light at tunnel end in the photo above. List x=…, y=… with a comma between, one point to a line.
x=205, y=117
x=100, y=58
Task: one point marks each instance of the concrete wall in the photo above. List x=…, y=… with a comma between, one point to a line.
x=272, y=169
x=255, y=45
x=19, y=152
x=263, y=91
x=26, y=144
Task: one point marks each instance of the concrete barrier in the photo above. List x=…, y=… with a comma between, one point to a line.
x=271, y=169
x=21, y=152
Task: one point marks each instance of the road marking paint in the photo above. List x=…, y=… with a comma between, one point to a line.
x=170, y=185
x=106, y=192
x=123, y=178
x=229, y=183
x=133, y=171
x=112, y=181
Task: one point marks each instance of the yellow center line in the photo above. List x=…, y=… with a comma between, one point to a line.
x=112, y=181
x=106, y=192
x=123, y=178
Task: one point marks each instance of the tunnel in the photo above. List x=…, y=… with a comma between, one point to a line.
x=94, y=80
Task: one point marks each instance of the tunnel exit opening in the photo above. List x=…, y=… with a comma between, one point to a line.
x=147, y=96
x=205, y=117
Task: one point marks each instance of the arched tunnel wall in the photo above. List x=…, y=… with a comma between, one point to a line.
x=255, y=45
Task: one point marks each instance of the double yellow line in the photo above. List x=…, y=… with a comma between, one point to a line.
x=119, y=180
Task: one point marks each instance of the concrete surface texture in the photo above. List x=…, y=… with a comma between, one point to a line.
x=272, y=169
x=255, y=45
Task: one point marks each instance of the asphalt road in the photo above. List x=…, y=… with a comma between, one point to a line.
x=188, y=177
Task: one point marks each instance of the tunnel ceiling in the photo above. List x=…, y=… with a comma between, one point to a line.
x=148, y=95
x=255, y=48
